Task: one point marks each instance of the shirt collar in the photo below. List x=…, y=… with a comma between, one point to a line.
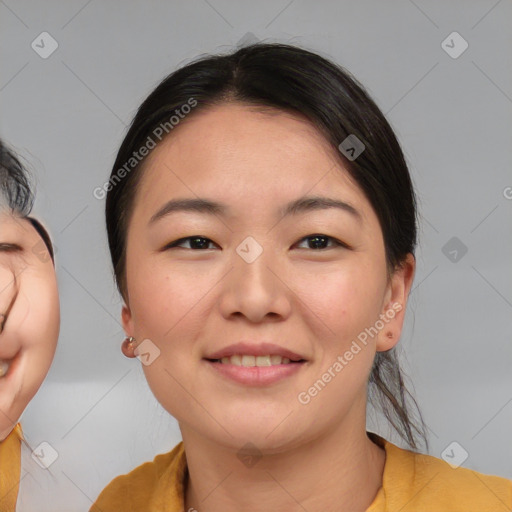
x=173, y=487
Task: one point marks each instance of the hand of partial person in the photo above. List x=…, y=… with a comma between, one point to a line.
x=29, y=316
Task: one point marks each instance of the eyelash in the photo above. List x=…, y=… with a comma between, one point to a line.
x=337, y=243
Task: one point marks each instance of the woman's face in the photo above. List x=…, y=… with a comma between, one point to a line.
x=252, y=275
x=29, y=316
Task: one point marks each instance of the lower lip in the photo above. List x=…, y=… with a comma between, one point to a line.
x=256, y=375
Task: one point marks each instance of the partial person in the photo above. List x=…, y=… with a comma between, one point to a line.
x=29, y=314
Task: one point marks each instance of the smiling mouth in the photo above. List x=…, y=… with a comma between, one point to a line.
x=8, y=366
x=250, y=361
x=4, y=367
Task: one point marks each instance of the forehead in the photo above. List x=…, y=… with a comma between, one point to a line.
x=224, y=132
x=238, y=150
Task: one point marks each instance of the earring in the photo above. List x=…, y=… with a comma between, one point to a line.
x=128, y=342
x=128, y=347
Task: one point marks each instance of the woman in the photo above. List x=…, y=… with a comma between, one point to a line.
x=29, y=315
x=262, y=226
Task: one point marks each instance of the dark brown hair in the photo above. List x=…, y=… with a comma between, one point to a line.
x=16, y=190
x=291, y=79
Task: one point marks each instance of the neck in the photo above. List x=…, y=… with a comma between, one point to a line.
x=342, y=471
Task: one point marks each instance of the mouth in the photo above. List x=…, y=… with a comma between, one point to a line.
x=255, y=364
x=8, y=366
x=255, y=354
x=4, y=367
x=248, y=360
x=255, y=371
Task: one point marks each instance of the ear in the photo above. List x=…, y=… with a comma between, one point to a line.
x=127, y=321
x=395, y=302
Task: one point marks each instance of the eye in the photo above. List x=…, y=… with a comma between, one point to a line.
x=197, y=242
x=200, y=242
x=319, y=240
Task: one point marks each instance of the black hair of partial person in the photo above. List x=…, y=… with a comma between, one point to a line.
x=43, y=234
x=298, y=81
x=16, y=190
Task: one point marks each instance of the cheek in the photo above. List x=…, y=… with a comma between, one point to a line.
x=346, y=299
x=34, y=327
x=40, y=328
x=165, y=300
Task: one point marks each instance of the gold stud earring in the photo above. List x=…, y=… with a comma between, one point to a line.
x=128, y=342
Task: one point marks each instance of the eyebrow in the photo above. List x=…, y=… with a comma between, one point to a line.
x=8, y=247
x=299, y=206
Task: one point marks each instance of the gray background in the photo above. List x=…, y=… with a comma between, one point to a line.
x=66, y=115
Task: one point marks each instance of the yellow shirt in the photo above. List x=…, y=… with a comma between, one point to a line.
x=10, y=469
x=412, y=482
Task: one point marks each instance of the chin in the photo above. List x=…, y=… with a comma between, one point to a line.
x=266, y=433
x=261, y=443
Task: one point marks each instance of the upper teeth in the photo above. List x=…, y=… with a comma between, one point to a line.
x=245, y=360
x=4, y=367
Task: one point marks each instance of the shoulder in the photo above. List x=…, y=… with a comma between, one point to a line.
x=150, y=483
x=10, y=467
x=426, y=481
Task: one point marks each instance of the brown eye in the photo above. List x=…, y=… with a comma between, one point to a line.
x=196, y=242
x=319, y=241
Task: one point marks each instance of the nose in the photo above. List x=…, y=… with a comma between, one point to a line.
x=255, y=287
